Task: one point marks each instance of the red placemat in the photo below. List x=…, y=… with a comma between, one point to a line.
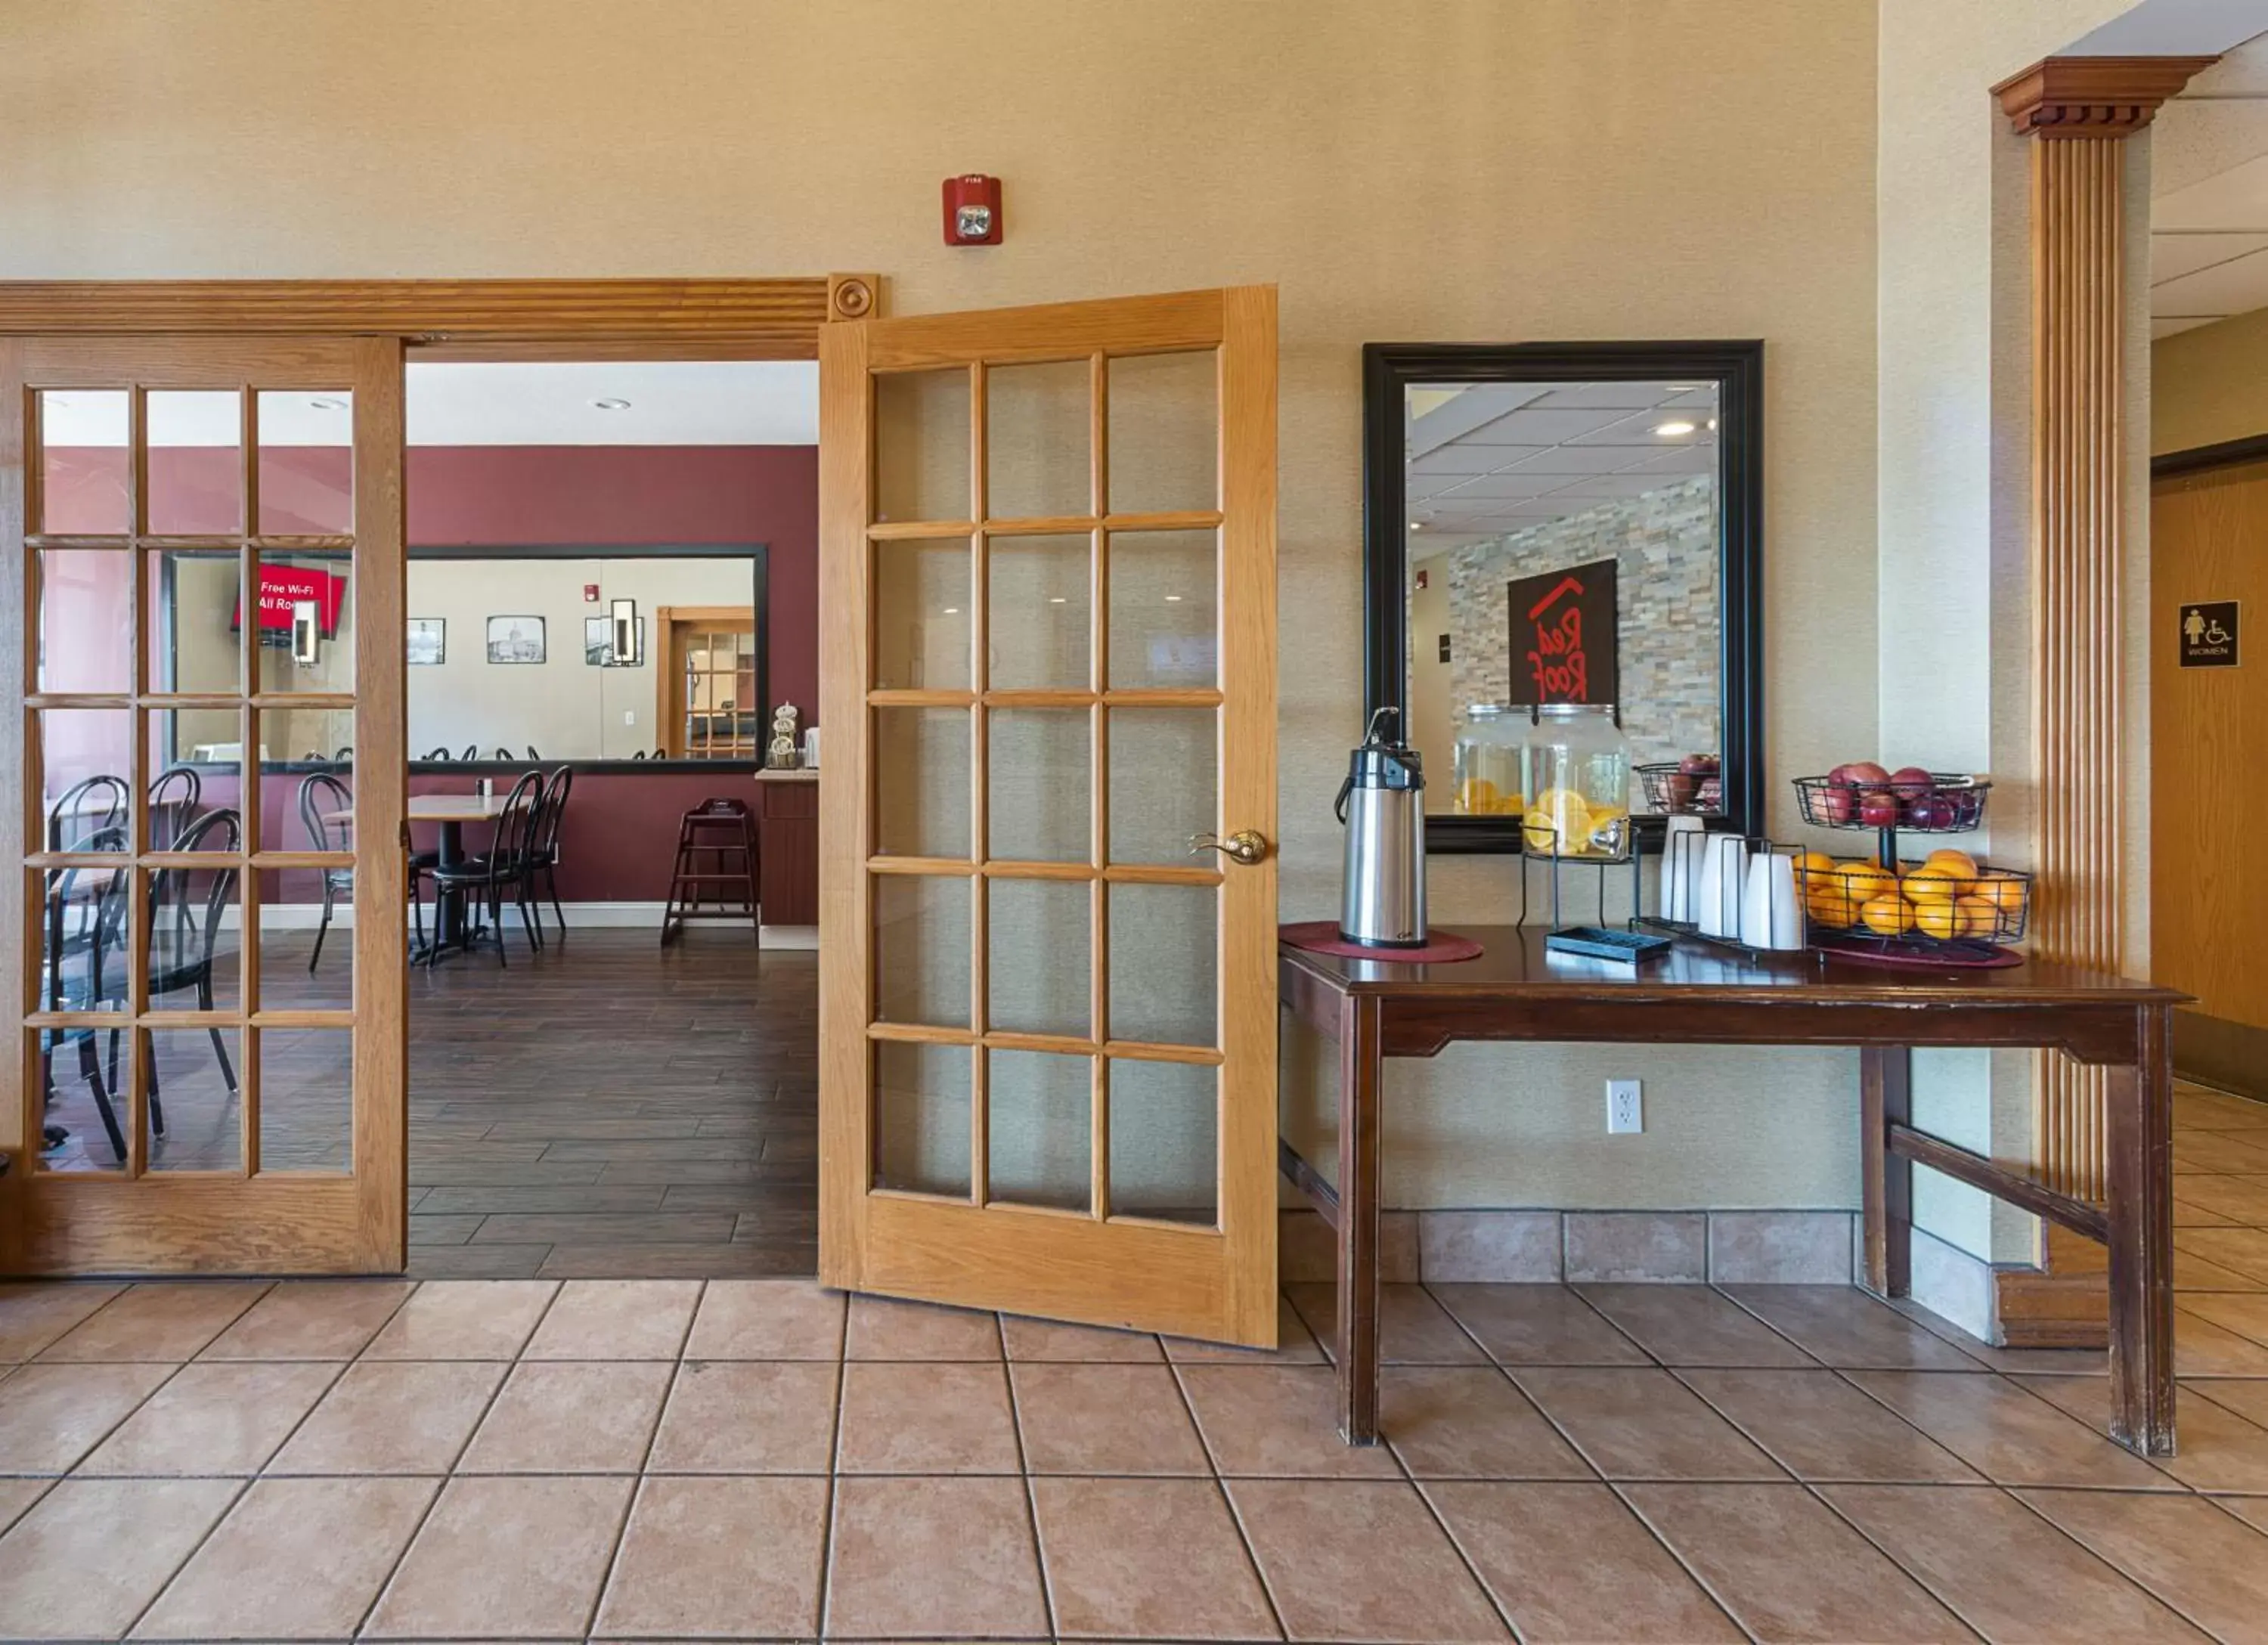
x=1323, y=936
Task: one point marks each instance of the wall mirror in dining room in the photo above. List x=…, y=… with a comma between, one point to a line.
x=1567, y=530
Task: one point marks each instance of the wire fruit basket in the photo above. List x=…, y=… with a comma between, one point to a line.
x=1675, y=786
x=1946, y=910
x=1914, y=803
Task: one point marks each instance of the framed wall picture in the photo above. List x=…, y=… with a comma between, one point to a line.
x=516, y=639
x=429, y=642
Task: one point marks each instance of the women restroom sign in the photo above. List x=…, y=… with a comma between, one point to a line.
x=2208, y=635
x=1563, y=636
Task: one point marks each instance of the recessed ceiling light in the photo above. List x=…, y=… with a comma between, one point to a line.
x=1684, y=388
x=953, y=610
x=1671, y=431
x=326, y=402
x=1713, y=422
x=610, y=405
x=1173, y=600
x=1057, y=600
x=1416, y=525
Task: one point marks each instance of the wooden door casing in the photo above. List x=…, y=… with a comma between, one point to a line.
x=250, y=1219
x=1096, y=1265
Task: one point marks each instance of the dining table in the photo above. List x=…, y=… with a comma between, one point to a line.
x=450, y=812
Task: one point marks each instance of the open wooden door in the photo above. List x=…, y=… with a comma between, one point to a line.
x=201, y=568
x=1047, y=679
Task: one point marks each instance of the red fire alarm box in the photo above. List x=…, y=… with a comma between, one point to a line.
x=972, y=210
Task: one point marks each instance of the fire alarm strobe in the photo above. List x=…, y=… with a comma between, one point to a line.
x=972, y=210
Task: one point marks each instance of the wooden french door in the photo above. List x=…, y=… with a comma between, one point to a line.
x=201, y=572
x=1047, y=680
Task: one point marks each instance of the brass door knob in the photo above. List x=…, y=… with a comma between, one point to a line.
x=1245, y=847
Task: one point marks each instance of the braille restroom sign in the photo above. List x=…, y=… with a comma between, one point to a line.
x=2208, y=634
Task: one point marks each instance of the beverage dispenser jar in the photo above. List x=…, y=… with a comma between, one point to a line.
x=1491, y=777
x=1578, y=764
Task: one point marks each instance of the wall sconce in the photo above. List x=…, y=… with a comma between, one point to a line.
x=307, y=632
x=625, y=651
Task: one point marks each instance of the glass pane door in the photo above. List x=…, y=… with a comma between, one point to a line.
x=207, y=533
x=1058, y=524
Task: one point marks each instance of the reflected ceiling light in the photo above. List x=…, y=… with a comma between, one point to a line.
x=1674, y=429
x=1713, y=422
x=326, y=402
x=610, y=405
x=1173, y=600
x=1057, y=600
x=1416, y=525
x=953, y=610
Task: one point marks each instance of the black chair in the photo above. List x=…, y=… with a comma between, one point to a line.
x=501, y=869
x=321, y=792
x=504, y=754
x=345, y=756
x=472, y=751
x=173, y=802
x=93, y=805
x=531, y=754
x=543, y=851
x=639, y=755
x=86, y=920
x=441, y=754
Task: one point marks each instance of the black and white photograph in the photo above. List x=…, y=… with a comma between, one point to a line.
x=599, y=645
x=516, y=639
x=429, y=642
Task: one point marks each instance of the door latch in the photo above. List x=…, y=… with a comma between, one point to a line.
x=1245, y=847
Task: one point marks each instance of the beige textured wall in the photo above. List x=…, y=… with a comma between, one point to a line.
x=2209, y=384
x=1483, y=170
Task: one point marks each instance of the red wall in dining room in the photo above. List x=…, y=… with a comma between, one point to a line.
x=474, y=496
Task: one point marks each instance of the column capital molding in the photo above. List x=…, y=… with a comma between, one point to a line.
x=2092, y=97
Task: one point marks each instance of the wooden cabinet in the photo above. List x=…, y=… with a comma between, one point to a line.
x=787, y=821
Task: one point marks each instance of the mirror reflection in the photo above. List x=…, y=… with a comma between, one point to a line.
x=1563, y=565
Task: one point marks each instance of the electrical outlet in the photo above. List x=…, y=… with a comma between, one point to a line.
x=1625, y=1108
x=630, y=717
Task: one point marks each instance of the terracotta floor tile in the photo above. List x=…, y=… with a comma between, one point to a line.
x=1821, y=1427
x=312, y=1319
x=2248, y=1396
x=386, y=1416
x=1413, y=1329
x=52, y=1415
x=2009, y=1574
x=1644, y=1425
x=1045, y=1339
x=1691, y=1325
x=1147, y=1559
x=748, y=1416
x=17, y=1495
x=1996, y=1425
x=2240, y=1199
x=883, y=1330
x=464, y=1319
x=2253, y=1511
x=615, y=1319
x=2208, y=1565
x=2220, y=1450
x=295, y=1558
x=215, y=1418
x=2188, y=1216
x=767, y=1319
x=739, y=1558
x=570, y=1417
x=1104, y=1418
x=34, y=1313
x=93, y=1552
x=2246, y=1315
x=506, y=1557
x=2244, y=1249
x=2202, y=1347
x=2193, y=1272
x=2199, y=1109
x=1538, y=1324
x=1570, y=1563
x=1295, y=1345
x=1841, y=1325
x=162, y=1321
x=1469, y=1422
x=905, y=1417
x=933, y=1558
x=1787, y=1569
x=1360, y=1560
x=1277, y=1419
x=2218, y=1152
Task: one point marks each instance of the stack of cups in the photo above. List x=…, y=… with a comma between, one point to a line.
x=1681, y=854
x=1717, y=888
x=1771, y=917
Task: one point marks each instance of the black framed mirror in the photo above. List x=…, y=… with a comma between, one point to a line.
x=1618, y=485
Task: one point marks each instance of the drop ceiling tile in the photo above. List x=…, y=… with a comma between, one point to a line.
x=1603, y=397
x=1542, y=428
x=1458, y=459
x=2233, y=201
x=1509, y=485
x=2228, y=288
x=2168, y=328
x=1601, y=487
x=1567, y=460
x=1695, y=458
x=1639, y=430
x=2174, y=255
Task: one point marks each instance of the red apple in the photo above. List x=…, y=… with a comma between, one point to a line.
x=1931, y=811
x=1911, y=782
x=1698, y=766
x=1878, y=808
x=1840, y=776
x=1681, y=788
x=1835, y=806
x=1867, y=774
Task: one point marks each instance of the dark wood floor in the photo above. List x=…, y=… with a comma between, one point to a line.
x=607, y=1108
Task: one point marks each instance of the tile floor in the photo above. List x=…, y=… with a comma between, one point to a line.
x=758, y=1459
x=657, y=1459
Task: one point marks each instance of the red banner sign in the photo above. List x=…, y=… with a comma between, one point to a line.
x=282, y=590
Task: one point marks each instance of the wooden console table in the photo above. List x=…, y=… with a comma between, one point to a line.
x=1698, y=995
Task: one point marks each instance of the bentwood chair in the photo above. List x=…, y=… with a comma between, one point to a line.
x=502, y=868
x=441, y=753
x=173, y=802
x=320, y=796
x=85, y=921
x=93, y=805
x=544, y=850
x=472, y=751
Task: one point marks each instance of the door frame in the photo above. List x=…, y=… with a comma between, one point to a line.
x=509, y=320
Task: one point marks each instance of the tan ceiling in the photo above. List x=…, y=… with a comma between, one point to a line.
x=2209, y=196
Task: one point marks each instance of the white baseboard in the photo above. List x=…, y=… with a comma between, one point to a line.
x=622, y=916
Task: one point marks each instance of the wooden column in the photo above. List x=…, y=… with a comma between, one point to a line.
x=2076, y=114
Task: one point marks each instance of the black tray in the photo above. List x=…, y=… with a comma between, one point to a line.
x=1598, y=942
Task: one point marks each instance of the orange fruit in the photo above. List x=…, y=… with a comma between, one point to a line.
x=1832, y=909
x=1863, y=881
x=1931, y=883
x=1889, y=916
x=1957, y=864
x=1942, y=921
x=1813, y=869
x=1978, y=917
x=2004, y=891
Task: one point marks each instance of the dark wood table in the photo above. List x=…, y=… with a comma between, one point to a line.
x=1705, y=996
